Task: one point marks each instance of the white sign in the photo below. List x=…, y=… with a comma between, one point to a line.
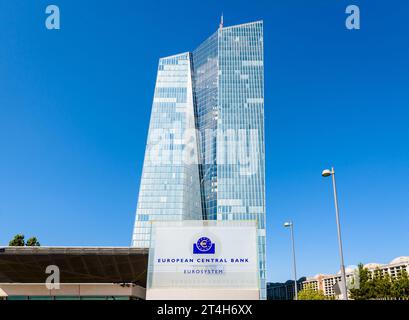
x=203, y=260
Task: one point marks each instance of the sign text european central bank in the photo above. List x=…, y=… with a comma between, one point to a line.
x=175, y=271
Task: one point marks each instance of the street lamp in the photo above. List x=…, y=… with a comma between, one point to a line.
x=291, y=226
x=327, y=173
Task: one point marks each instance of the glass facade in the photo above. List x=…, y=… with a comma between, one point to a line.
x=206, y=69
x=227, y=73
x=170, y=186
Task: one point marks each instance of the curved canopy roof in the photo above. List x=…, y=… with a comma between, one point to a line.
x=76, y=264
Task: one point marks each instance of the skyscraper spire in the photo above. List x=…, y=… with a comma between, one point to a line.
x=221, y=21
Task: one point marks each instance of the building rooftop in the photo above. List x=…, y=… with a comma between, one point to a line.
x=399, y=260
x=76, y=264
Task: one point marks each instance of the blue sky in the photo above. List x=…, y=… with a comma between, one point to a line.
x=75, y=107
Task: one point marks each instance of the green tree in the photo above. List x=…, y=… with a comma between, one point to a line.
x=33, y=242
x=18, y=241
x=308, y=293
x=365, y=290
x=381, y=285
x=400, y=286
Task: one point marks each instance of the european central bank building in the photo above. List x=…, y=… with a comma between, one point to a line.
x=205, y=152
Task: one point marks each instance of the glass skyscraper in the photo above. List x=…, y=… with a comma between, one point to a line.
x=170, y=185
x=205, y=155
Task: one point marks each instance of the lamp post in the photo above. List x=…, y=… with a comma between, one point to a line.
x=291, y=226
x=327, y=173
